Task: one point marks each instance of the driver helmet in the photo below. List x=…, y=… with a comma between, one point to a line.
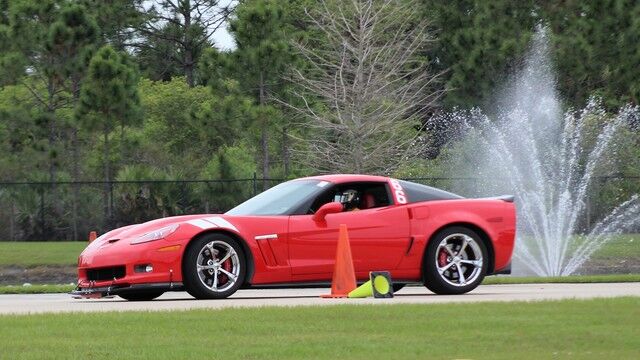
x=350, y=199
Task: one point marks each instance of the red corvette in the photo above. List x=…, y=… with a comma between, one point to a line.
x=287, y=236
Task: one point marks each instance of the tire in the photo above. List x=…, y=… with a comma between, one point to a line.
x=455, y=261
x=141, y=296
x=398, y=287
x=214, y=266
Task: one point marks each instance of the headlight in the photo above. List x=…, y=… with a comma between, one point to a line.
x=156, y=234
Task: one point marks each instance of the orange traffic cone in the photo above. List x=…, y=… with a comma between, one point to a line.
x=344, y=277
x=92, y=236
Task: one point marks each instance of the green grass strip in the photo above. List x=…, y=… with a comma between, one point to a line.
x=493, y=280
x=577, y=329
x=36, y=289
x=30, y=254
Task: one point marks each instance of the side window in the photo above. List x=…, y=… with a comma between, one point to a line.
x=355, y=196
x=418, y=192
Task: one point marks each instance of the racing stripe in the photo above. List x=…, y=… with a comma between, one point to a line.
x=201, y=224
x=221, y=222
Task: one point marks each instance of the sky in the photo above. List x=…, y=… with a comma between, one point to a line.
x=223, y=40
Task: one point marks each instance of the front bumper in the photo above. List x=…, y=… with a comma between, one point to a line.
x=110, y=291
x=113, y=268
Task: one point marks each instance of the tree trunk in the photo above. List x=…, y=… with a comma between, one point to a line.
x=52, y=131
x=53, y=168
x=265, y=136
x=123, y=152
x=107, y=178
x=51, y=113
x=52, y=143
x=188, y=67
x=285, y=151
x=188, y=45
x=75, y=168
x=12, y=222
x=75, y=174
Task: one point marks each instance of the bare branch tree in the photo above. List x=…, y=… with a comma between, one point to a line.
x=366, y=86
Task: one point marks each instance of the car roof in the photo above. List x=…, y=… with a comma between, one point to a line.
x=342, y=178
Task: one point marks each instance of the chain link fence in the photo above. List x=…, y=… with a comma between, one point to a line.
x=43, y=211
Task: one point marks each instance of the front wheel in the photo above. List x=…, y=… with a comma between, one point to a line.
x=455, y=261
x=213, y=267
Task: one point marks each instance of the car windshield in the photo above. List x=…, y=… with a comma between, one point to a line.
x=282, y=199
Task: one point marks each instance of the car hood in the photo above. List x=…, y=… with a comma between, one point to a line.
x=203, y=221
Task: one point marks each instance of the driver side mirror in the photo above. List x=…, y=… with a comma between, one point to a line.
x=328, y=208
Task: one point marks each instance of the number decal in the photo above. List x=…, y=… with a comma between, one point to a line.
x=398, y=191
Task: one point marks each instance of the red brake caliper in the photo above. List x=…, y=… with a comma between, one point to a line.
x=223, y=279
x=442, y=258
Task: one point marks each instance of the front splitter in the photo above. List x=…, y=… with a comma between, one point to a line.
x=110, y=291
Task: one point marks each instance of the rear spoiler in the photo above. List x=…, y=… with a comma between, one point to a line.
x=505, y=198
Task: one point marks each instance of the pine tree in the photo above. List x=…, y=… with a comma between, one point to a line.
x=596, y=49
x=116, y=20
x=262, y=55
x=4, y=12
x=479, y=43
x=72, y=40
x=28, y=60
x=159, y=59
x=109, y=99
x=184, y=26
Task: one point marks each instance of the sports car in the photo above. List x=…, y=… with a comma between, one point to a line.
x=287, y=236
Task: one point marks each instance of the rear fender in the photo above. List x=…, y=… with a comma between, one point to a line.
x=493, y=221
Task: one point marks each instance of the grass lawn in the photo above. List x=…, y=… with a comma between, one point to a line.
x=30, y=254
x=493, y=280
x=35, y=289
x=580, y=329
x=621, y=246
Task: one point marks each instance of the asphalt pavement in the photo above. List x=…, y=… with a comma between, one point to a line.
x=46, y=303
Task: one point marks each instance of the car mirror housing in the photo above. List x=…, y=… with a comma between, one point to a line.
x=329, y=208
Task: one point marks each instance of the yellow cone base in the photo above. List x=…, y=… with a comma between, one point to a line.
x=362, y=291
x=378, y=286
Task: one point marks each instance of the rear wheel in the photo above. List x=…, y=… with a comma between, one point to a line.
x=213, y=267
x=455, y=261
x=141, y=296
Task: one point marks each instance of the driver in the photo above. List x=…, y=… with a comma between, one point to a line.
x=350, y=200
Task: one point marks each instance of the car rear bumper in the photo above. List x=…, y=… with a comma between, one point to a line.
x=504, y=271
